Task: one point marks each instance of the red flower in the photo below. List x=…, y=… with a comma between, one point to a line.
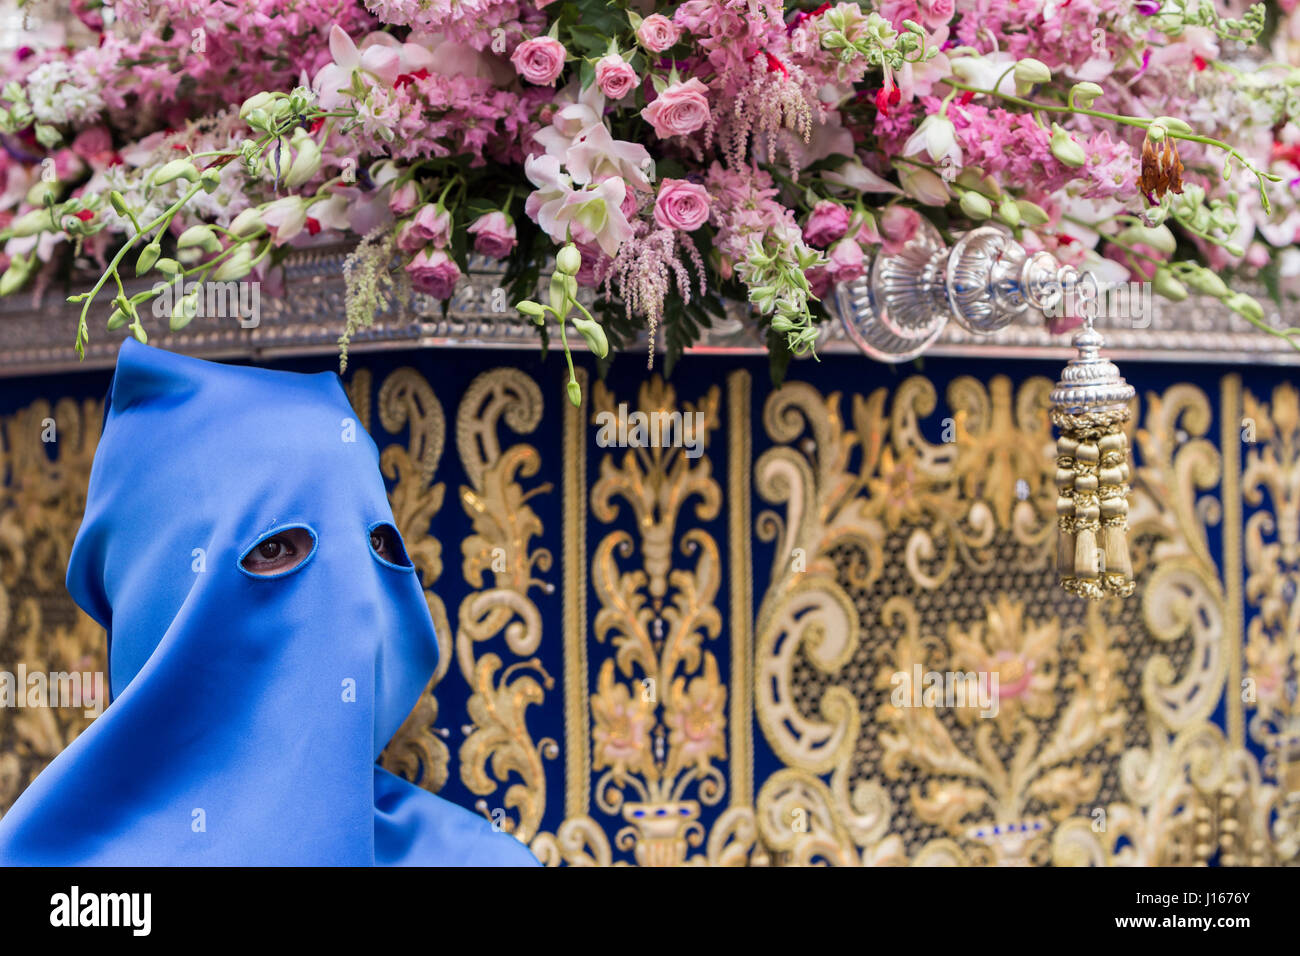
x=1198, y=62
x=313, y=226
x=887, y=97
x=773, y=64
x=85, y=215
x=1288, y=151
x=406, y=78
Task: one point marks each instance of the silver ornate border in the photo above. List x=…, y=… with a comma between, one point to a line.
x=36, y=333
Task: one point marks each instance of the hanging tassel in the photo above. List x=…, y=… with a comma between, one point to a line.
x=1087, y=514
x=1114, y=473
x=1065, y=448
x=1090, y=407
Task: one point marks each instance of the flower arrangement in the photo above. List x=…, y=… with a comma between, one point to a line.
x=667, y=156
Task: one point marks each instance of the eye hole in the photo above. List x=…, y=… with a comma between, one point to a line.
x=387, y=545
x=278, y=553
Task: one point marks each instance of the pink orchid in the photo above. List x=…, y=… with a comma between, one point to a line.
x=285, y=218
x=579, y=111
x=381, y=59
x=919, y=79
x=553, y=188
x=596, y=155
x=597, y=212
x=351, y=208
x=454, y=58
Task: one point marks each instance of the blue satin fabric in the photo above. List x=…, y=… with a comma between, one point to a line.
x=231, y=739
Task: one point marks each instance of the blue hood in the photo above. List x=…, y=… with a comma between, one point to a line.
x=247, y=712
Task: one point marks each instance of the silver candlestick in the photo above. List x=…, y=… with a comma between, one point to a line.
x=899, y=306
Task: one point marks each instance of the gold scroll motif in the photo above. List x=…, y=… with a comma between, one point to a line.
x=418, y=751
x=498, y=751
x=897, y=555
x=1271, y=477
x=45, y=457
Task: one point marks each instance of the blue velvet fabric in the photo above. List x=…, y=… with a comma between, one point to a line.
x=247, y=711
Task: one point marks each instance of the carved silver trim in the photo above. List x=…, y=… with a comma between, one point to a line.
x=36, y=336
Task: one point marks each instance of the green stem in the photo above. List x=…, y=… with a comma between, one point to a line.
x=83, y=332
x=1123, y=120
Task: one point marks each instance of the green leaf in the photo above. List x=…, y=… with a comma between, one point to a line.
x=478, y=206
x=778, y=357
x=1270, y=275
x=459, y=249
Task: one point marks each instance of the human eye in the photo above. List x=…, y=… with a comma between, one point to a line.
x=279, y=552
x=387, y=545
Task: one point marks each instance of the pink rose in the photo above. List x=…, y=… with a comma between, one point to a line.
x=432, y=225
x=846, y=261
x=679, y=110
x=434, y=273
x=936, y=13
x=829, y=221
x=630, y=205
x=403, y=199
x=615, y=76
x=494, y=235
x=539, y=60
x=407, y=240
x=868, y=233
x=898, y=224
x=88, y=13
x=681, y=205
x=657, y=33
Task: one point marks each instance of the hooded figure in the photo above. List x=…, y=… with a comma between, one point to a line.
x=267, y=636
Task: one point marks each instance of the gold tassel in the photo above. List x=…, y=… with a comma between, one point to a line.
x=1118, y=577
x=1086, y=520
x=1065, y=448
x=1090, y=407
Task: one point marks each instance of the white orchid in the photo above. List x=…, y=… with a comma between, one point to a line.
x=381, y=56
x=984, y=71
x=553, y=188
x=937, y=137
x=580, y=110
x=922, y=185
x=596, y=155
x=598, y=210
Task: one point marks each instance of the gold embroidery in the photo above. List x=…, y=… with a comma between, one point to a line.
x=504, y=526
x=903, y=534
x=417, y=751
x=45, y=455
